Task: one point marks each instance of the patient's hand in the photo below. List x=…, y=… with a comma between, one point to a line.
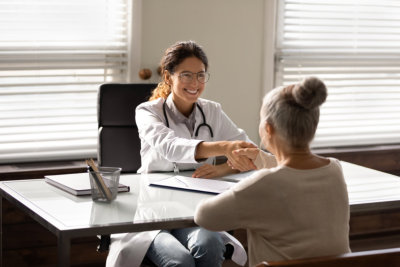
x=212, y=171
x=249, y=153
x=236, y=160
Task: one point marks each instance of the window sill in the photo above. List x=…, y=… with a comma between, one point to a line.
x=40, y=169
x=384, y=158
x=356, y=149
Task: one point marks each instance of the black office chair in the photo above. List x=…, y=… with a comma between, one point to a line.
x=118, y=140
x=119, y=143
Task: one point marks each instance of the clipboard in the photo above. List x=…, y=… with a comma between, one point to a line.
x=202, y=185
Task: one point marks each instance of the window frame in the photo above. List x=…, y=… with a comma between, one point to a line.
x=279, y=8
x=133, y=40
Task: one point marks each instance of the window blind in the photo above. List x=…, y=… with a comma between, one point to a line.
x=354, y=47
x=53, y=57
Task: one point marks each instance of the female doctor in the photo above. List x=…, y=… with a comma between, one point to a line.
x=180, y=131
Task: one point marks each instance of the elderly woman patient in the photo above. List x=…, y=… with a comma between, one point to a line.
x=296, y=204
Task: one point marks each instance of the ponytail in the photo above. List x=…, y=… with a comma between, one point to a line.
x=162, y=90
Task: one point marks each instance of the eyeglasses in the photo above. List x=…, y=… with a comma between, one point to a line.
x=187, y=76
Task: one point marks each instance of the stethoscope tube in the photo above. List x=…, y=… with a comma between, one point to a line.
x=196, y=133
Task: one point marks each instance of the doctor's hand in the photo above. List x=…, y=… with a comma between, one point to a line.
x=250, y=153
x=212, y=171
x=237, y=160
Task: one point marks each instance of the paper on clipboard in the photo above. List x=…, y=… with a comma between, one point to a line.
x=194, y=184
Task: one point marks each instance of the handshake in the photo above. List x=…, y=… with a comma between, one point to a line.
x=241, y=155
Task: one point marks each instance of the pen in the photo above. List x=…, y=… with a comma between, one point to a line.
x=176, y=169
x=99, y=180
x=185, y=184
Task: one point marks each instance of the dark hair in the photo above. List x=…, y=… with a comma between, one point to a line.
x=294, y=110
x=174, y=56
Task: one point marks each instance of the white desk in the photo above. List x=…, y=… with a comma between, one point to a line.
x=150, y=208
x=371, y=190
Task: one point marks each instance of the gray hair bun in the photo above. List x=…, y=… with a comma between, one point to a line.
x=310, y=93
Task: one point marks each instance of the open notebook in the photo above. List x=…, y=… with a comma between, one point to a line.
x=194, y=184
x=76, y=183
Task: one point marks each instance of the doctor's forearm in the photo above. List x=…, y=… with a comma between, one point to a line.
x=225, y=148
x=210, y=149
x=219, y=148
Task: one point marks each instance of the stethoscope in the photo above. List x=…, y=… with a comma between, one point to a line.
x=196, y=132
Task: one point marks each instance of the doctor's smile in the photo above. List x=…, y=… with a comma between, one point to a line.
x=192, y=92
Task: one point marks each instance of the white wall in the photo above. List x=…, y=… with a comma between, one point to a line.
x=231, y=33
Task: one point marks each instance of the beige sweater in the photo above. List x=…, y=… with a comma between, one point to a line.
x=288, y=213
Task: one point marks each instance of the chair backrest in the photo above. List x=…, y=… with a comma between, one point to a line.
x=380, y=257
x=118, y=139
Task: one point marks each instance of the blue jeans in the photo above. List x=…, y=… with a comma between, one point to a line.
x=187, y=247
